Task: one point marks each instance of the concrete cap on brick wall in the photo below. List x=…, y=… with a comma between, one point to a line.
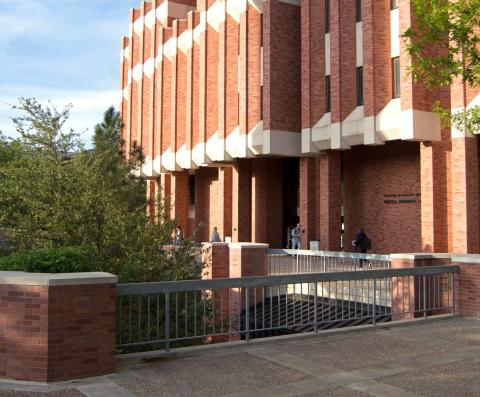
x=59, y=279
x=247, y=245
x=215, y=244
x=421, y=255
x=466, y=258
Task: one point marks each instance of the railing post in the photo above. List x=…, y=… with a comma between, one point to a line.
x=324, y=263
x=247, y=316
x=453, y=293
x=374, y=301
x=315, y=308
x=424, y=296
x=298, y=268
x=167, y=321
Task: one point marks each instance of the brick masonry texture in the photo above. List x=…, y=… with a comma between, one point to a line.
x=57, y=333
x=267, y=64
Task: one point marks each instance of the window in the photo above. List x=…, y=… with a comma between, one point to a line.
x=360, y=86
x=358, y=17
x=327, y=95
x=396, y=77
x=327, y=16
x=191, y=189
x=393, y=4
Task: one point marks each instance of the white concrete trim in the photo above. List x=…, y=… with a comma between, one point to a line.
x=395, y=33
x=184, y=157
x=466, y=258
x=247, y=245
x=199, y=156
x=55, y=280
x=282, y=143
x=215, y=148
x=327, y=54
x=421, y=255
x=359, y=43
x=147, y=168
x=158, y=168
x=169, y=160
x=138, y=25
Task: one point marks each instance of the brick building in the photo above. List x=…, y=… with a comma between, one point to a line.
x=254, y=115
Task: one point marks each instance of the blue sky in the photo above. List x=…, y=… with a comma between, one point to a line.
x=65, y=51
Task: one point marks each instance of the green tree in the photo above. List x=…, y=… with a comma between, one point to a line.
x=54, y=193
x=445, y=48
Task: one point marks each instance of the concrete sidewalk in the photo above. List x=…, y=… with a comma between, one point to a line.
x=440, y=358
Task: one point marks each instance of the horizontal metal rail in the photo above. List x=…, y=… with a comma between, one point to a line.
x=265, y=281
x=179, y=313
x=287, y=261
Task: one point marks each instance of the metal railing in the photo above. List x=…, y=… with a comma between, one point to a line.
x=286, y=261
x=179, y=313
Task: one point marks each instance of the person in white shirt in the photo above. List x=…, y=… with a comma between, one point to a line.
x=215, y=236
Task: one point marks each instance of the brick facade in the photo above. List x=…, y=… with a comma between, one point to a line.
x=234, y=92
x=54, y=333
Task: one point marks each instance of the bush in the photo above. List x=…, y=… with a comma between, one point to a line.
x=53, y=260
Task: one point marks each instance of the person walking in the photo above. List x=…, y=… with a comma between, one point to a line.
x=215, y=238
x=179, y=236
x=362, y=244
x=296, y=244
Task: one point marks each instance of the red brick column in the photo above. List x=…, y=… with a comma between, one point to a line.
x=56, y=327
x=215, y=256
x=330, y=200
x=465, y=191
x=241, y=201
x=467, y=285
x=307, y=199
x=407, y=292
x=180, y=197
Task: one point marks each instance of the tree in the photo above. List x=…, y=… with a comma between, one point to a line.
x=54, y=193
x=452, y=28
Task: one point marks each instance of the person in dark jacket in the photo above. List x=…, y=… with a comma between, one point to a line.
x=361, y=244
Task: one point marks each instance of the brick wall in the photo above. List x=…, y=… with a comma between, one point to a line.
x=467, y=285
x=53, y=333
x=371, y=176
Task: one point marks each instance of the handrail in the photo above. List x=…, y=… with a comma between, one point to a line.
x=265, y=281
x=333, y=254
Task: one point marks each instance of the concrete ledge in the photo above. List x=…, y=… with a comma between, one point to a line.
x=466, y=258
x=55, y=280
x=421, y=255
x=247, y=245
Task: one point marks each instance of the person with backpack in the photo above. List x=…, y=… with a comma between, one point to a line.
x=296, y=244
x=362, y=244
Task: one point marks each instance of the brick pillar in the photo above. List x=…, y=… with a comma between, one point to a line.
x=467, y=285
x=407, y=292
x=307, y=199
x=465, y=191
x=241, y=201
x=166, y=191
x=225, y=201
x=434, y=220
x=215, y=256
x=180, y=197
x=56, y=327
x=329, y=200
x=151, y=197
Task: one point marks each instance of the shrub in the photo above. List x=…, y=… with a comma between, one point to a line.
x=52, y=260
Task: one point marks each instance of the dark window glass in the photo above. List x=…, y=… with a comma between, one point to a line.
x=393, y=4
x=359, y=11
x=191, y=189
x=396, y=77
x=327, y=16
x=327, y=94
x=360, y=86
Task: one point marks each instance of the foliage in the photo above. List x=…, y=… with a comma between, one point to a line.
x=49, y=260
x=54, y=193
x=444, y=46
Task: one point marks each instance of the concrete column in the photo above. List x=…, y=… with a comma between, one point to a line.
x=329, y=200
x=308, y=208
x=465, y=199
x=57, y=327
x=241, y=201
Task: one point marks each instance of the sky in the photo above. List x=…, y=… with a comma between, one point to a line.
x=62, y=51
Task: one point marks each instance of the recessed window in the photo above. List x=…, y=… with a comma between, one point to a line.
x=327, y=95
x=396, y=77
x=360, y=86
x=191, y=189
x=327, y=16
x=393, y=4
x=358, y=17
